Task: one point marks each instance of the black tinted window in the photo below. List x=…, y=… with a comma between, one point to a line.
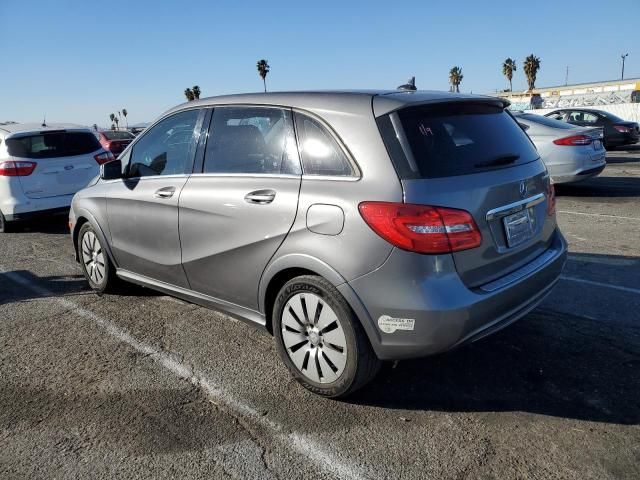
x=53, y=145
x=118, y=135
x=321, y=154
x=167, y=148
x=454, y=139
x=251, y=140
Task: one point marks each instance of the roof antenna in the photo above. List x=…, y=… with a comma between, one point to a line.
x=410, y=85
x=44, y=121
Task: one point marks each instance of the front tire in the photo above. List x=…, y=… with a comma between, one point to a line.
x=320, y=339
x=94, y=261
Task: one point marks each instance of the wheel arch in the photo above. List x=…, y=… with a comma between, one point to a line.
x=284, y=269
x=82, y=217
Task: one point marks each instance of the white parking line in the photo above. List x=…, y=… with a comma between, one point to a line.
x=315, y=452
x=601, y=284
x=599, y=215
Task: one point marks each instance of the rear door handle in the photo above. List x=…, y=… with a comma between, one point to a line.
x=165, y=192
x=261, y=197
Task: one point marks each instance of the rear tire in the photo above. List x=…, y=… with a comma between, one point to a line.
x=95, y=262
x=5, y=226
x=326, y=350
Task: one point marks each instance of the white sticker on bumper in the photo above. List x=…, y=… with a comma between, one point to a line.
x=389, y=324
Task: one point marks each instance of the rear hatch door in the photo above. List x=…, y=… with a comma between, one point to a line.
x=65, y=161
x=475, y=157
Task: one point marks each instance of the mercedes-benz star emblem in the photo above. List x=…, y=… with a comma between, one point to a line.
x=523, y=188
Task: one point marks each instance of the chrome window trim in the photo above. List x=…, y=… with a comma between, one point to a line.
x=247, y=175
x=515, y=207
x=145, y=178
x=331, y=178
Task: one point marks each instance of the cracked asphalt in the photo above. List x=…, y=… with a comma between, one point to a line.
x=141, y=385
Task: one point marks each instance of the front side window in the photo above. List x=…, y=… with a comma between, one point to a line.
x=53, y=144
x=167, y=148
x=251, y=140
x=321, y=154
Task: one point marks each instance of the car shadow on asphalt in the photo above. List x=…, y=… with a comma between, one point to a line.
x=601, y=187
x=548, y=363
x=12, y=291
x=55, y=224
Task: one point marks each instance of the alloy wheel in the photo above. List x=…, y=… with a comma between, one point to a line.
x=93, y=257
x=314, y=338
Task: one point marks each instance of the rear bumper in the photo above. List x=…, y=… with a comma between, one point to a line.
x=16, y=206
x=619, y=139
x=441, y=312
x=580, y=175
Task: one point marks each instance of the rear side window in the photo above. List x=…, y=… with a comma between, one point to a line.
x=53, y=144
x=321, y=154
x=454, y=139
x=251, y=140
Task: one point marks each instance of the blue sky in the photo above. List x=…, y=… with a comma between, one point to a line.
x=78, y=61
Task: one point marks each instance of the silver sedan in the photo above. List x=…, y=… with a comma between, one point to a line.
x=570, y=153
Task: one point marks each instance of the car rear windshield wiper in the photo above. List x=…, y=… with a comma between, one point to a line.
x=501, y=160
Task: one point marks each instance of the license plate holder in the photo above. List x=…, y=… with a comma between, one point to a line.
x=518, y=228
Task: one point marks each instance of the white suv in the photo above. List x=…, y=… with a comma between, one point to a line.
x=42, y=167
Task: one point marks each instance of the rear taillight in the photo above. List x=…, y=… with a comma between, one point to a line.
x=104, y=157
x=622, y=128
x=551, y=198
x=16, y=169
x=574, y=140
x=422, y=228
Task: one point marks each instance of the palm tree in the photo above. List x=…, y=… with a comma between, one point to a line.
x=117, y=120
x=196, y=92
x=263, y=69
x=189, y=94
x=455, y=77
x=531, y=67
x=508, y=67
x=124, y=112
x=112, y=117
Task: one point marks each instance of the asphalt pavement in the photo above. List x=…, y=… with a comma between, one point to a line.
x=141, y=385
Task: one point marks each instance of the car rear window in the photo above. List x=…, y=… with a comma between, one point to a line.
x=433, y=141
x=546, y=121
x=118, y=135
x=53, y=144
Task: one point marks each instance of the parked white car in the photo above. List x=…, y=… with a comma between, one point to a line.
x=570, y=153
x=42, y=167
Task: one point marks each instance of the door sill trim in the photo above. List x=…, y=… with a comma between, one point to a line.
x=247, y=315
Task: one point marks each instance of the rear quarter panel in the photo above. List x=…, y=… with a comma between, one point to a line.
x=356, y=250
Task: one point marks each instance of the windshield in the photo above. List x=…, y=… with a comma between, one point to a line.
x=454, y=139
x=611, y=116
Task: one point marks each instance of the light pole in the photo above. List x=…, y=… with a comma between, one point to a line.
x=623, y=58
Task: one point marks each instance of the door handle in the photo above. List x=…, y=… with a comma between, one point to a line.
x=261, y=197
x=165, y=192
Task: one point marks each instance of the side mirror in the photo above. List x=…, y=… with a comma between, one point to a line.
x=111, y=170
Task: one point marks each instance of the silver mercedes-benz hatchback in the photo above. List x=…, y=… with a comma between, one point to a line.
x=356, y=227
